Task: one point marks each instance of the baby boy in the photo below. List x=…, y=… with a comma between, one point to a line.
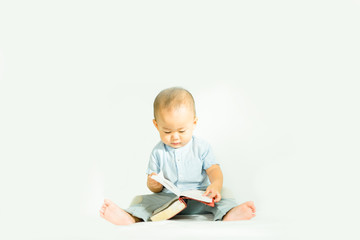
x=185, y=160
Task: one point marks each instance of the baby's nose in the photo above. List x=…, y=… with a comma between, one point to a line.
x=175, y=135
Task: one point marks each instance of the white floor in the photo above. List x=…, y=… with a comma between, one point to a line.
x=181, y=227
x=198, y=227
x=193, y=227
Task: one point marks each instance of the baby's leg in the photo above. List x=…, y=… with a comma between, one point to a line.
x=114, y=214
x=143, y=206
x=244, y=211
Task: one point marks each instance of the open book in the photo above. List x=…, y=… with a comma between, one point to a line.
x=177, y=204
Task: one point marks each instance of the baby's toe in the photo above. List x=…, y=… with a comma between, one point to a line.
x=251, y=205
x=107, y=202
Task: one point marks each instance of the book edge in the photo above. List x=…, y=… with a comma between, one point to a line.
x=153, y=217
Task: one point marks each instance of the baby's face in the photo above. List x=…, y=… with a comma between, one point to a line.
x=176, y=126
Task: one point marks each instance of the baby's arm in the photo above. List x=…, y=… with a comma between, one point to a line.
x=153, y=185
x=216, y=178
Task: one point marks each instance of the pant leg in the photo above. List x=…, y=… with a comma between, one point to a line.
x=222, y=207
x=226, y=203
x=219, y=210
x=144, y=205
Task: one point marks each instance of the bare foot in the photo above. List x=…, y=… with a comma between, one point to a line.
x=244, y=211
x=114, y=214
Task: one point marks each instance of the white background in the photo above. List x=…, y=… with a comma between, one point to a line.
x=276, y=90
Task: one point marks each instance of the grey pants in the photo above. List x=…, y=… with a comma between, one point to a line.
x=143, y=206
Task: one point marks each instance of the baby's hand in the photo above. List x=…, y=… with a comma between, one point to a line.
x=153, y=184
x=213, y=191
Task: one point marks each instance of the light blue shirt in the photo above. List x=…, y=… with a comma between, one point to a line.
x=185, y=166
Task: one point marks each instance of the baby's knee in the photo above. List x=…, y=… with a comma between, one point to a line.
x=136, y=200
x=226, y=193
x=143, y=198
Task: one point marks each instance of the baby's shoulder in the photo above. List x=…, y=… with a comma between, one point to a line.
x=159, y=147
x=200, y=143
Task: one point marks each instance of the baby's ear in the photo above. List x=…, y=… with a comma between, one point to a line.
x=195, y=120
x=155, y=124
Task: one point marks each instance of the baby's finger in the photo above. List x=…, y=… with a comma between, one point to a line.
x=212, y=195
x=217, y=198
x=150, y=177
x=206, y=193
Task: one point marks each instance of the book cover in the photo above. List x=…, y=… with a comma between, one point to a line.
x=176, y=205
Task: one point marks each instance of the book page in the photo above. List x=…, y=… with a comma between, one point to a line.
x=166, y=183
x=196, y=194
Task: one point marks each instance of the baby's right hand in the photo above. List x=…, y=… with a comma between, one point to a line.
x=153, y=184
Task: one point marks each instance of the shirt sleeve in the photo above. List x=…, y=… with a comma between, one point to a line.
x=153, y=165
x=208, y=157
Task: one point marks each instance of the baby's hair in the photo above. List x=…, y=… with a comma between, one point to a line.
x=174, y=97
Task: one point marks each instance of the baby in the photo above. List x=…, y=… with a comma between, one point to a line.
x=185, y=160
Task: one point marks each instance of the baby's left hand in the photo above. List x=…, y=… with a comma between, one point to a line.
x=213, y=191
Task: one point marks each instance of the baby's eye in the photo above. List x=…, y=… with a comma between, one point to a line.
x=167, y=132
x=182, y=131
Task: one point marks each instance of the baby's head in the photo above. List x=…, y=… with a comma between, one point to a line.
x=175, y=116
